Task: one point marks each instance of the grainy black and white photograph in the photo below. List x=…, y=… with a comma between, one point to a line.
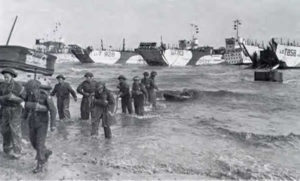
x=149, y=90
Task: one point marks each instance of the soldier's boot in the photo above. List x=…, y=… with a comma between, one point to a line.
x=39, y=168
x=107, y=132
x=47, y=155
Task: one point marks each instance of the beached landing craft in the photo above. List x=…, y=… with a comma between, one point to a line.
x=188, y=53
x=288, y=55
x=108, y=57
x=234, y=52
x=53, y=44
x=279, y=54
x=29, y=63
x=58, y=49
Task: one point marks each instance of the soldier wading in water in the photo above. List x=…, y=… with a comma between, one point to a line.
x=139, y=95
x=62, y=90
x=124, y=93
x=37, y=106
x=87, y=90
x=103, y=105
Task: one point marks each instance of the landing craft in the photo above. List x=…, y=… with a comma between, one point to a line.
x=56, y=48
x=280, y=55
x=107, y=56
x=29, y=63
x=53, y=43
x=234, y=52
x=188, y=53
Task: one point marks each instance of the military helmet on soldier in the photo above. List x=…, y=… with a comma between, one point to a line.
x=146, y=73
x=88, y=74
x=60, y=76
x=122, y=77
x=153, y=73
x=9, y=71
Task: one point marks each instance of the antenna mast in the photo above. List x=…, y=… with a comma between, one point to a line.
x=12, y=29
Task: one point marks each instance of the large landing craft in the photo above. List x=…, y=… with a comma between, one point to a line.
x=58, y=49
x=277, y=54
x=107, y=56
x=235, y=55
x=188, y=53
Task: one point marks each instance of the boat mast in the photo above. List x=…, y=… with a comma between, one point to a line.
x=102, y=45
x=123, y=44
x=12, y=29
x=236, y=25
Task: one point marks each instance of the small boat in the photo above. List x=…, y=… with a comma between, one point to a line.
x=180, y=96
x=29, y=63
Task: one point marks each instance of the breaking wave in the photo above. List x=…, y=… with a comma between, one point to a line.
x=252, y=138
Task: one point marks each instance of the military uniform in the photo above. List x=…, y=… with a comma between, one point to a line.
x=152, y=91
x=126, y=101
x=139, y=94
x=62, y=92
x=37, y=106
x=146, y=82
x=103, y=103
x=87, y=89
x=10, y=116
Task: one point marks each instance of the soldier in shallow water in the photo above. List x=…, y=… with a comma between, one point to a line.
x=87, y=90
x=152, y=89
x=139, y=94
x=62, y=90
x=37, y=106
x=103, y=107
x=124, y=93
x=146, y=82
x=11, y=97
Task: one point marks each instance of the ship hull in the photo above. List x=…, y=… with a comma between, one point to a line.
x=152, y=57
x=210, y=60
x=108, y=57
x=105, y=56
x=130, y=57
x=198, y=55
x=288, y=56
x=65, y=57
x=172, y=57
x=26, y=59
x=236, y=57
x=29, y=64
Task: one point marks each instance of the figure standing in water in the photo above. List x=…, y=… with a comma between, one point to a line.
x=103, y=105
x=37, y=106
x=87, y=90
x=62, y=90
x=152, y=89
x=124, y=93
x=11, y=97
x=146, y=82
x=139, y=94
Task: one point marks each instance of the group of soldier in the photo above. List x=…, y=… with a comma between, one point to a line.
x=97, y=102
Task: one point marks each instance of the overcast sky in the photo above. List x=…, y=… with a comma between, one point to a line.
x=86, y=22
